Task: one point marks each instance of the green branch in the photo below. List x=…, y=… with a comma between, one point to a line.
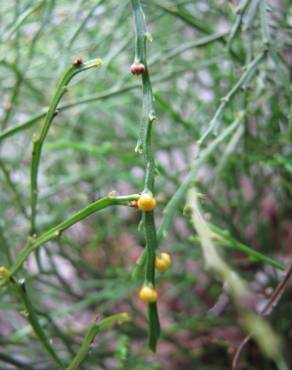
x=144, y=145
x=32, y=318
x=93, y=330
x=244, y=79
x=56, y=231
x=38, y=141
x=240, y=11
x=177, y=199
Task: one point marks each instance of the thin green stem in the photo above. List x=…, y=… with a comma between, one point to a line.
x=266, y=35
x=226, y=240
x=244, y=79
x=40, y=138
x=176, y=201
x=185, y=16
x=56, y=231
x=95, y=328
x=32, y=318
x=144, y=145
x=240, y=11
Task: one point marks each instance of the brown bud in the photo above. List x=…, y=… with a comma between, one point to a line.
x=78, y=62
x=137, y=68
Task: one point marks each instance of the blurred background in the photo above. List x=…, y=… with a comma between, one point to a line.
x=199, y=51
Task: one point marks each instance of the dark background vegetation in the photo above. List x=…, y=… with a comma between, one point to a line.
x=245, y=183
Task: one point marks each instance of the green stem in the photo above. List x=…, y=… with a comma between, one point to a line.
x=56, y=231
x=144, y=145
x=39, y=140
x=93, y=330
x=226, y=240
x=34, y=322
x=240, y=10
x=177, y=199
x=245, y=78
x=266, y=36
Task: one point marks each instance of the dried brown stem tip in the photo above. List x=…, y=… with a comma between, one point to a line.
x=137, y=69
x=78, y=62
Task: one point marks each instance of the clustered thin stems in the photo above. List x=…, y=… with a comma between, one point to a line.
x=144, y=146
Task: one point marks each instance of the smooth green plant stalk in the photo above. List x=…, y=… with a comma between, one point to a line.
x=244, y=79
x=56, y=231
x=144, y=146
x=40, y=138
x=266, y=339
x=95, y=328
x=32, y=318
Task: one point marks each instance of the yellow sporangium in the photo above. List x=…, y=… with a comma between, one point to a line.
x=162, y=262
x=146, y=202
x=148, y=294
